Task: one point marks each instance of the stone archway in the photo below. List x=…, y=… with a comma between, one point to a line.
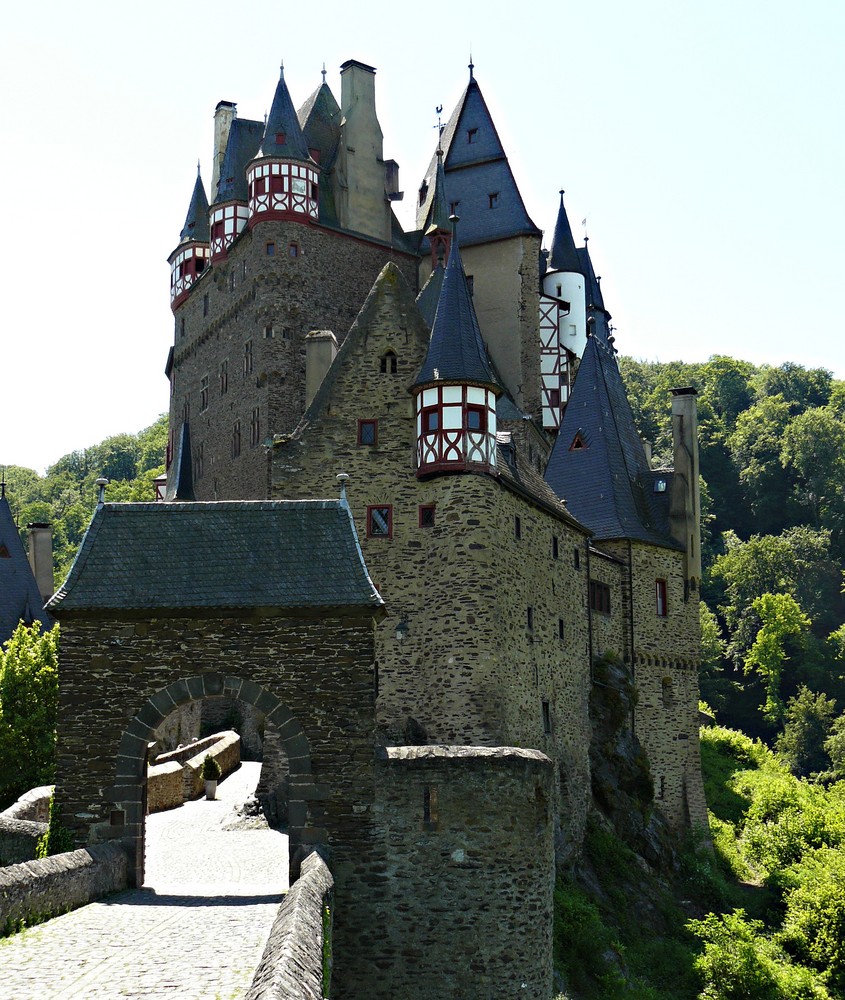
x=130, y=768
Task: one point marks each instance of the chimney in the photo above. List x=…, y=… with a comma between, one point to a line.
x=361, y=196
x=41, y=557
x=685, y=497
x=224, y=114
x=320, y=351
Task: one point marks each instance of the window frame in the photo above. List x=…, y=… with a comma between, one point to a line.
x=367, y=423
x=600, y=597
x=427, y=509
x=661, y=598
x=388, y=508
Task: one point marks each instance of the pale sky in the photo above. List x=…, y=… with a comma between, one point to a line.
x=702, y=142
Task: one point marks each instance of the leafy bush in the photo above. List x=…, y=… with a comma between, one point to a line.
x=210, y=770
x=740, y=962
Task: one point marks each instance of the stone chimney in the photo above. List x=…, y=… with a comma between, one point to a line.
x=41, y=557
x=224, y=114
x=685, y=495
x=320, y=351
x=361, y=196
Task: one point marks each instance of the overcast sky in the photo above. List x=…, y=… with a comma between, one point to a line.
x=702, y=142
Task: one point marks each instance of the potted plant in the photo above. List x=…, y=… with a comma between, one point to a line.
x=210, y=771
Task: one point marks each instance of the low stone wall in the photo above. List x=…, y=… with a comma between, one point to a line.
x=291, y=967
x=18, y=839
x=33, y=805
x=226, y=751
x=38, y=889
x=225, y=747
x=165, y=786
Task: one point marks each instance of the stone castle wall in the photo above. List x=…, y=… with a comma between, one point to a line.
x=251, y=313
x=467, y=839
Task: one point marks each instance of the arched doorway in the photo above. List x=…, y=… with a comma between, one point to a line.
x=131, y=765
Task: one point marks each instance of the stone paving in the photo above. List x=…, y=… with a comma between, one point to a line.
x=196, y=930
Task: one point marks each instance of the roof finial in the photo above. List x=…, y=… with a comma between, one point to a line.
x=101, y=485
x=586, y=237
x=471, y=66
x=343, y=479
x=323, y=71
x=282, y=67
x=198, y=167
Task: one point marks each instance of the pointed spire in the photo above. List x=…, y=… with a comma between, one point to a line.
x=440, y=217
x=196, y=221
x=282, y=133
x=456, y=352
x=471, y=68
x=564, y=256
x=180, y=481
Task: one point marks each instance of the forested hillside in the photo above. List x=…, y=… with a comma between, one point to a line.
x=66, y=496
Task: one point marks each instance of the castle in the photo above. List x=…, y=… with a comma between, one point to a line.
x=508, y=531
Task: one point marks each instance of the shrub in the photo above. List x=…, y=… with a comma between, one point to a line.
x=210, y=769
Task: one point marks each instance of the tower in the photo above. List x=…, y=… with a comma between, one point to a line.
x=190, y=258
x=455, y=391
x=282, y=181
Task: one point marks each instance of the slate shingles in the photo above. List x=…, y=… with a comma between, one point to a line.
x=234, y=554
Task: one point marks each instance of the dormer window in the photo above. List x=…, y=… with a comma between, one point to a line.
x=493, y=199
x=578, y=443
x=659, y=485
x=281, y=138
x=472, y=135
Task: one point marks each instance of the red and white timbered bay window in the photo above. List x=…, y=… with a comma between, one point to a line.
x=280, y=188
x=227, y=223
x=456, y=428
x=185, y=267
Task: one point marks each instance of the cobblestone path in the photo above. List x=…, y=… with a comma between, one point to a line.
x=195, y=931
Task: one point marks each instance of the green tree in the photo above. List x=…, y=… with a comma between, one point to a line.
x=782, y=619
x=807, y=724
x=801, y=387
x=29, y=691
x=813, y=451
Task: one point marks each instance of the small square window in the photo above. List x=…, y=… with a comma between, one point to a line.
x=600, y=597
x=380, y=522
x=268, y=331
x=293, y=249
x=476, y=418
x=368, y=432
x=426, y=515
x=472, y=135
x=493, y=199
x=270, y=249
x=431, y=420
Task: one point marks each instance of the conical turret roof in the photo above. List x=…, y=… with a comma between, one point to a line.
x=598, y=464
x=564, y=256
x=180, y=478
x=439, y=216
x=456, y=352
x=283, y=133
x=196, y=221
x=20, y=599
x=596, y=312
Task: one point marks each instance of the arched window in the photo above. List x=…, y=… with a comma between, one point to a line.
x=388, y=363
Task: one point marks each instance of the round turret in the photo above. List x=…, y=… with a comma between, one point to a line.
x=191, y=256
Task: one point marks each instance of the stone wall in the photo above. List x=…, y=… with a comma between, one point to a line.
x=19, y=839
x=225, y=748
x=252, y=313
x=165, y=786
x=37, y=889
x=33, y=805
x=291, y=967
x=463, y=893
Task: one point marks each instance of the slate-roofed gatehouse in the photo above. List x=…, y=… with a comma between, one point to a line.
x=424, y=646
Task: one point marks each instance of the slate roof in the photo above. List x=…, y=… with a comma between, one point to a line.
x=607, y=483
x=438, y=217
x=196, y=221
x=473, y=171
x=296, y=554
x=283, y=123
x=430, y=295
x=20, y=599
x=596, y=312
x=456, y=352
x=564, y=256
x=242, y=146
x=320, y=119
x=518, y=475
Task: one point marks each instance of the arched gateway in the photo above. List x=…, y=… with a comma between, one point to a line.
x=268, y=603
